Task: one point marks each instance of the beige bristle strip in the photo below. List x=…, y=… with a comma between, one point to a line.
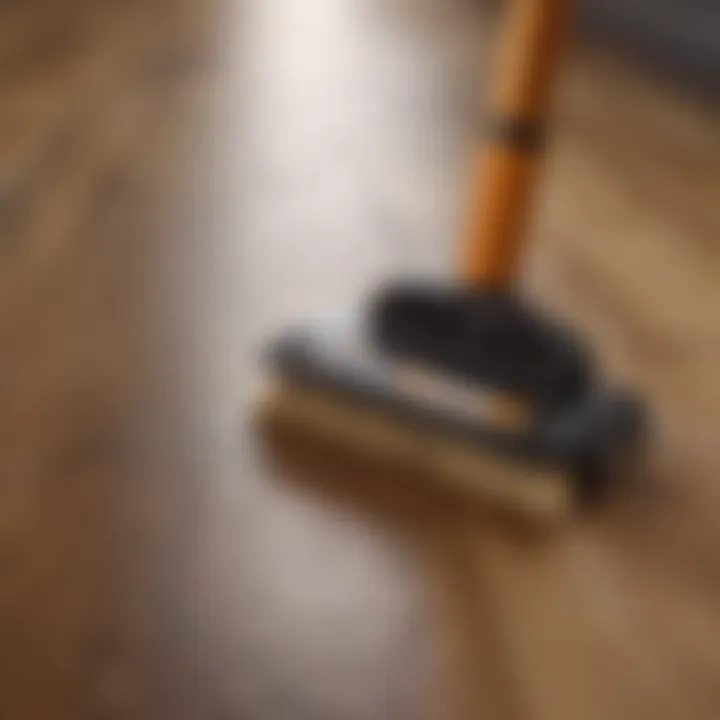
x=515, y=484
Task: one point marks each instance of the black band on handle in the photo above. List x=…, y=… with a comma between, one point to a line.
x=521, y=134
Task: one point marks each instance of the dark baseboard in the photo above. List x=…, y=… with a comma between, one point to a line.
x=677, y=37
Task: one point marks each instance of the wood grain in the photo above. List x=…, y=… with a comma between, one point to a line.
x=178, y=180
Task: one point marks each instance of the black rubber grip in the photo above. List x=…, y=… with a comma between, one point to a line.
x=519, y=133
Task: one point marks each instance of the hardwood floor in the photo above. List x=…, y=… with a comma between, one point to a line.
x=179, y=179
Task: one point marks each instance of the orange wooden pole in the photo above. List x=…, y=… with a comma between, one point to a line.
x=507, y=175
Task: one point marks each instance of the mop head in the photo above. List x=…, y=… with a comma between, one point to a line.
x=404, y=393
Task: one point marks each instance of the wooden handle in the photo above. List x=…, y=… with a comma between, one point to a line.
x=533, y=34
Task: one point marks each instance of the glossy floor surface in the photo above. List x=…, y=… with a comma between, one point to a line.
x=177, y=180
